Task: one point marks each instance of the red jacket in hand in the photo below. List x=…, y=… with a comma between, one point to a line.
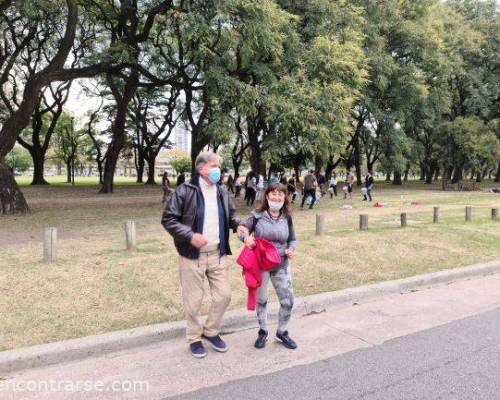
x=264, y=257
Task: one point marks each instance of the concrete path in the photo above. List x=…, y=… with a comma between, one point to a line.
x=166, y=369
x=456, y=361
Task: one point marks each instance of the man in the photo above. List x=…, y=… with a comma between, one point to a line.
x=199, y=216
x=349, y=181
x=310, y=185
x=369, y=186
x=181, y=179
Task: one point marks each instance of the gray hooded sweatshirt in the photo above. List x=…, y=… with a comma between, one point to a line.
x=279, y=232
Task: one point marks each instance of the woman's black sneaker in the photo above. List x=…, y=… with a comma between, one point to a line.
x=261, y=340
x=286, y=340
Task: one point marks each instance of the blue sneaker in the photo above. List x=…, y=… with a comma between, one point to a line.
x=217, y=343
x=197, y=349
x=286, y=340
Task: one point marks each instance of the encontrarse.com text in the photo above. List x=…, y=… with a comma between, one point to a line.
x=53, y=385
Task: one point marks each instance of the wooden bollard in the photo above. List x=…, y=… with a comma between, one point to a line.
x=130, y=235
x=436, y=215
x=468, y=213
x=320, y=224
x=363, y=222
x=494, y=214
x=50, y=245
x=403, y=220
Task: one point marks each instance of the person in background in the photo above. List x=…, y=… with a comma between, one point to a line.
x=199, y=216
x=333, y=185
x=349, y=182
x=230, y=183
x=251, y=189
x=181, y=178
x=310, y=185
x=165, y=184
x=292, y=188
x=222, y=178
x=273, y=222
x=260, y=187
x=368, y=186
x=321, y=183
x=237, y=186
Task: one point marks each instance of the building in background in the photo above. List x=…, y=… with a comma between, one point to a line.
x=182, y=138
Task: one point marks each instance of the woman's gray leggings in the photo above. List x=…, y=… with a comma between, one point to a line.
x=282, y=282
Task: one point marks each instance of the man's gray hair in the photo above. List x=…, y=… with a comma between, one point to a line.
x=205, y=157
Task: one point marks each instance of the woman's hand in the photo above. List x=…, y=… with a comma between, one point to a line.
x=289, y=253
x=242, y=231
x=250, y=242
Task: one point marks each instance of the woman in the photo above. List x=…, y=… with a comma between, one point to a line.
x=333, y=185
x=165, y=184
x=273, y=222
x=292, y=188
x=251, y=190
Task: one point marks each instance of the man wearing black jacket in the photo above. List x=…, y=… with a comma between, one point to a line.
x=368, y=186
x=199, y=216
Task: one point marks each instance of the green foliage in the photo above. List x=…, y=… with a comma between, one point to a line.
x=181, y=165
x=18, y=160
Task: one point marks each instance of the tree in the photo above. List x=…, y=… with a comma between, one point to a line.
x=181, y=165
x=68, y=144
x=154, y=115
x=18, y=160
x=23, y=26
x=36, y=139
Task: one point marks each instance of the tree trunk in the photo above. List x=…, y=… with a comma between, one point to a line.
x=118, y=129
x=485, y=172
x=423, y=172
x=297, y=161
x=497, y=176
x=140, y=167
x=407, y=172
x=436, y=174
x=12, y=200
x=397, y=178
x=257, y=163
x=318, y=164
x=357, y=159
x=388, y=177
x=479, y=178
x=329, y=169
x=431, y=169
x=68, y=171
x=38, y=167
x=151, y=171
x=99, y=170
x=457, y=174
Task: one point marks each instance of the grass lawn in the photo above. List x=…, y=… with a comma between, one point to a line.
x=60, y=180
x=96, y=286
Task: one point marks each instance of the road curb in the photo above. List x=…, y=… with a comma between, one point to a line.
x=74, y=349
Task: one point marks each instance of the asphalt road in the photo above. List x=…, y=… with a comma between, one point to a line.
x=460, y=360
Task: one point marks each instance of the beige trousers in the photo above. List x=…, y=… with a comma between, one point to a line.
x=192, y=274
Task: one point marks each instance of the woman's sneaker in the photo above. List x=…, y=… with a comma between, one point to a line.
x=286, y=340
x=217, y=343
x=197, y=349
x=261, y=340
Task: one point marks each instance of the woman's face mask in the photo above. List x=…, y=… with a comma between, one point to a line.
x=275, y=205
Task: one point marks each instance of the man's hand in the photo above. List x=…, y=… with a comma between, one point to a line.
x=242, y=231
x=250, y=242
x=198, y=241
x=289, y=253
